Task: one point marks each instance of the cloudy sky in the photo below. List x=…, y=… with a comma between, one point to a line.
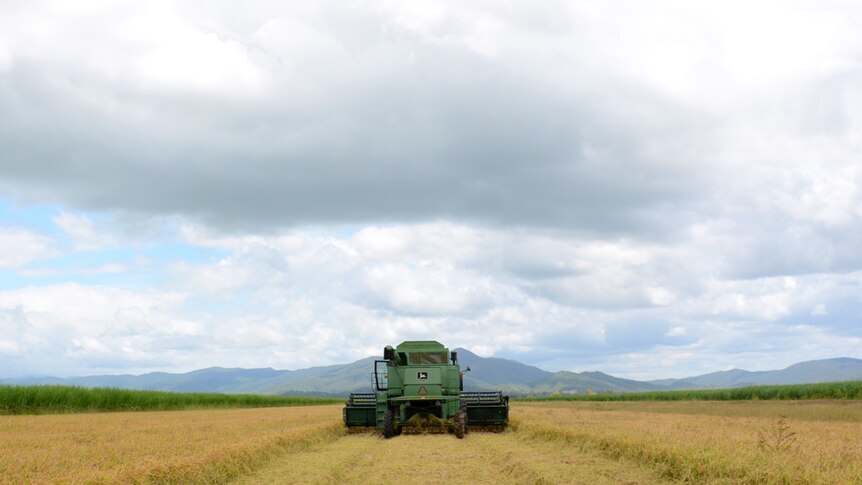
x=651, y=190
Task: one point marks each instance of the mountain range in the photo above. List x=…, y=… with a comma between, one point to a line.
x=487, y=373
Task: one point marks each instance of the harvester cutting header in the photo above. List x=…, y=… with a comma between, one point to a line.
x=419, y=386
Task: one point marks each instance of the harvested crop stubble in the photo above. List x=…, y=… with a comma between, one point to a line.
x=156, y=447
x=719, y=442
x=497, y=458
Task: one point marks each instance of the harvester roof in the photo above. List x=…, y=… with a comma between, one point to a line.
x=422, y=352
x=420, y=346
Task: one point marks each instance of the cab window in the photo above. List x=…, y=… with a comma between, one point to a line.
x=425, y=358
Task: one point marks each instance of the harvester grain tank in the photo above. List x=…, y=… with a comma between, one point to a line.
x=419, y=386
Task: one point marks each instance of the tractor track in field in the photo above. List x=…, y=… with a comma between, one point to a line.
x=481, y=457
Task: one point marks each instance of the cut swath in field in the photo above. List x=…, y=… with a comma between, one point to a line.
x=499, y=458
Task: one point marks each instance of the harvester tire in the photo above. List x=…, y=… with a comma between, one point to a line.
x=460, y=425
x=388, y=424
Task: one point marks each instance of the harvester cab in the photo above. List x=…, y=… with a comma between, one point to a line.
x=419, y=387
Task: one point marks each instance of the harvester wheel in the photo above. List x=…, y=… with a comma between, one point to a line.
x=460, y=425
x=388, y=424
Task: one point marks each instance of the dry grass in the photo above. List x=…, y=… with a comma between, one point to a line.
x=156, y=447
x=718, y=442
x=814, y=442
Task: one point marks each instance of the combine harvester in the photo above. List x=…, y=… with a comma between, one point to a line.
x=420, y=387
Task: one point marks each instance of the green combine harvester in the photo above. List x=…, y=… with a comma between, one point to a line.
x=419, y=387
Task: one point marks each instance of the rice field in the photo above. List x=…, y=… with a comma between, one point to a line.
x=746, y=442
x=211, y=446
x=709, y=442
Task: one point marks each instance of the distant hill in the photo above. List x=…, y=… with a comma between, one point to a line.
x=580, y=383
x=493, y=373
x=213, y=379
x=827, y=370
x=486, y=373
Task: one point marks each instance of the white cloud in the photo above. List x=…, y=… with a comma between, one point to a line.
x=421, y=242
x=428, y=287
x=146, y=45
x=177, y=56
x=5, y=56
x=9, y=347
x=84, y=233
x=74, y=329
x=317, y=180
x=305, y=297
x=20, y=246
x=85, y=307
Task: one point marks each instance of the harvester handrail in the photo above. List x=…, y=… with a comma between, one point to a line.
x=358, y=399
x=477, y=397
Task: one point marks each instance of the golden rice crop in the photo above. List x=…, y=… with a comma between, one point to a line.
x=155, y=447
x=717, y=442
x=811, y=442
